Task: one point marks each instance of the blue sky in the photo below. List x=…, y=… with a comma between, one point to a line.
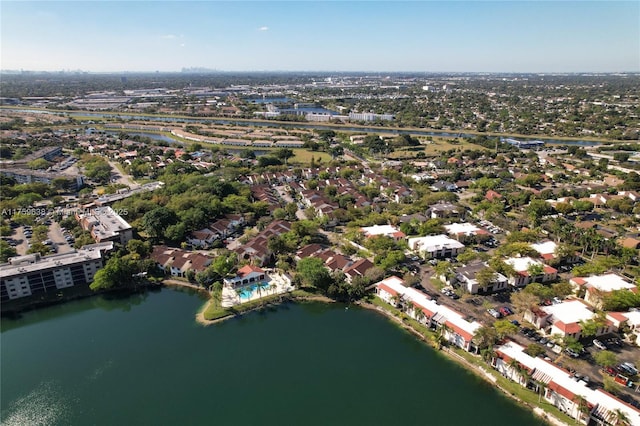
x=454, y=36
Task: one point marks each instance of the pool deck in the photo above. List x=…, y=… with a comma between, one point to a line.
x=282, y=285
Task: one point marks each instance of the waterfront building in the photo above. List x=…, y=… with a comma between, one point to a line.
x=369, y=116
x=105, y=224
x=558, y=387
x=179, y=262
x=454, y=326
x=32, y=274
x=247, y=275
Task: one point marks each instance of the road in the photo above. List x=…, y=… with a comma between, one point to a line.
x=122, y=178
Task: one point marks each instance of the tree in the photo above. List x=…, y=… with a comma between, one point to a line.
x=117, y=272
x=592, y=326
x=284, y=154
x=562, y=289
x=485, y=277
x=485, y=337
x=6, y=251
x=618, y=417
x=534, y=350
x=582, y=406
x=504, y=328
x=535, y=270
x=605, y=358
x=610, y=385
x=313, y=273
x=156, y=221
x=523, y=301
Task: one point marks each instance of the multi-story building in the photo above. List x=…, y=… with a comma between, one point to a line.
x=105, y=224
x=31, y=274
x=39, y=176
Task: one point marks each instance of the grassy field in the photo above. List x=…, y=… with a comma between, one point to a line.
x=434, y=147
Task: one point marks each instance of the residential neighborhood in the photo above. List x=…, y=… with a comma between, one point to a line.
x=501, y=250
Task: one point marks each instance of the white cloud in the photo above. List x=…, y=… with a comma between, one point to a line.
x=182, y=45
x=263, y=29
x=168, y=36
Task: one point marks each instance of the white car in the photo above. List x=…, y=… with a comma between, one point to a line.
x=598, y=344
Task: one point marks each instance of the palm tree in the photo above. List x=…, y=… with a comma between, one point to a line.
x=273, y=287
x=420, y=316
x=441, y=338
x=239, y=291
x=515, y=366
x=542, y=389
x=582, y=407
x=618, y=417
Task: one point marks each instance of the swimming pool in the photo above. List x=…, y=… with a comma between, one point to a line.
x=248, y=291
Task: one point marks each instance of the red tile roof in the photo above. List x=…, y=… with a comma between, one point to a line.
x=570, y=328
x=387, y=289
x=561, y=391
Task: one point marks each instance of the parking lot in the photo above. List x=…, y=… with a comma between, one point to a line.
x=477, y=306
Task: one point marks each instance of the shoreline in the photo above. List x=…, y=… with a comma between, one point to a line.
x=476, y=370
x=200, y=319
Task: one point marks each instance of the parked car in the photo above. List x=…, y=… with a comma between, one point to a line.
x=516, y=323
x=628, y=368
x=494, y=313
x=598, y=344
x=557, y=300
x=572, y=353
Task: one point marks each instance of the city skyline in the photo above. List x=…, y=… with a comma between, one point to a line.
x=469, y=36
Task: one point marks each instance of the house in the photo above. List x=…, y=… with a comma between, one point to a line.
x=492, y=195
x=308, y=251
x=202, y=238
x=632, y=319
x=548, y=252
x=179, y=262
x=560, y=388
x=524, y=266
x=382, y=230
x=358, y=269
x=444, y=210
x=598, y=286
x=564, y=319
x=435, y=246
x=461, y=230
x=248, y=274
x=466, y=277
x=632, y=243
x=256, y=249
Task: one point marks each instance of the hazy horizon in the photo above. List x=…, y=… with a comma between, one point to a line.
x=382, y=37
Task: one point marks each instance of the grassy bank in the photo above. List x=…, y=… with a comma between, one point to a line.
x=212, y=311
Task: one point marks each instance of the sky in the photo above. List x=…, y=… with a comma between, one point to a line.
x=423, y=36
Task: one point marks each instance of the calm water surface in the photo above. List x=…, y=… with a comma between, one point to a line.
x=144, y=361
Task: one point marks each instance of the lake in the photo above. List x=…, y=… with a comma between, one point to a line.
x=144, y=360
